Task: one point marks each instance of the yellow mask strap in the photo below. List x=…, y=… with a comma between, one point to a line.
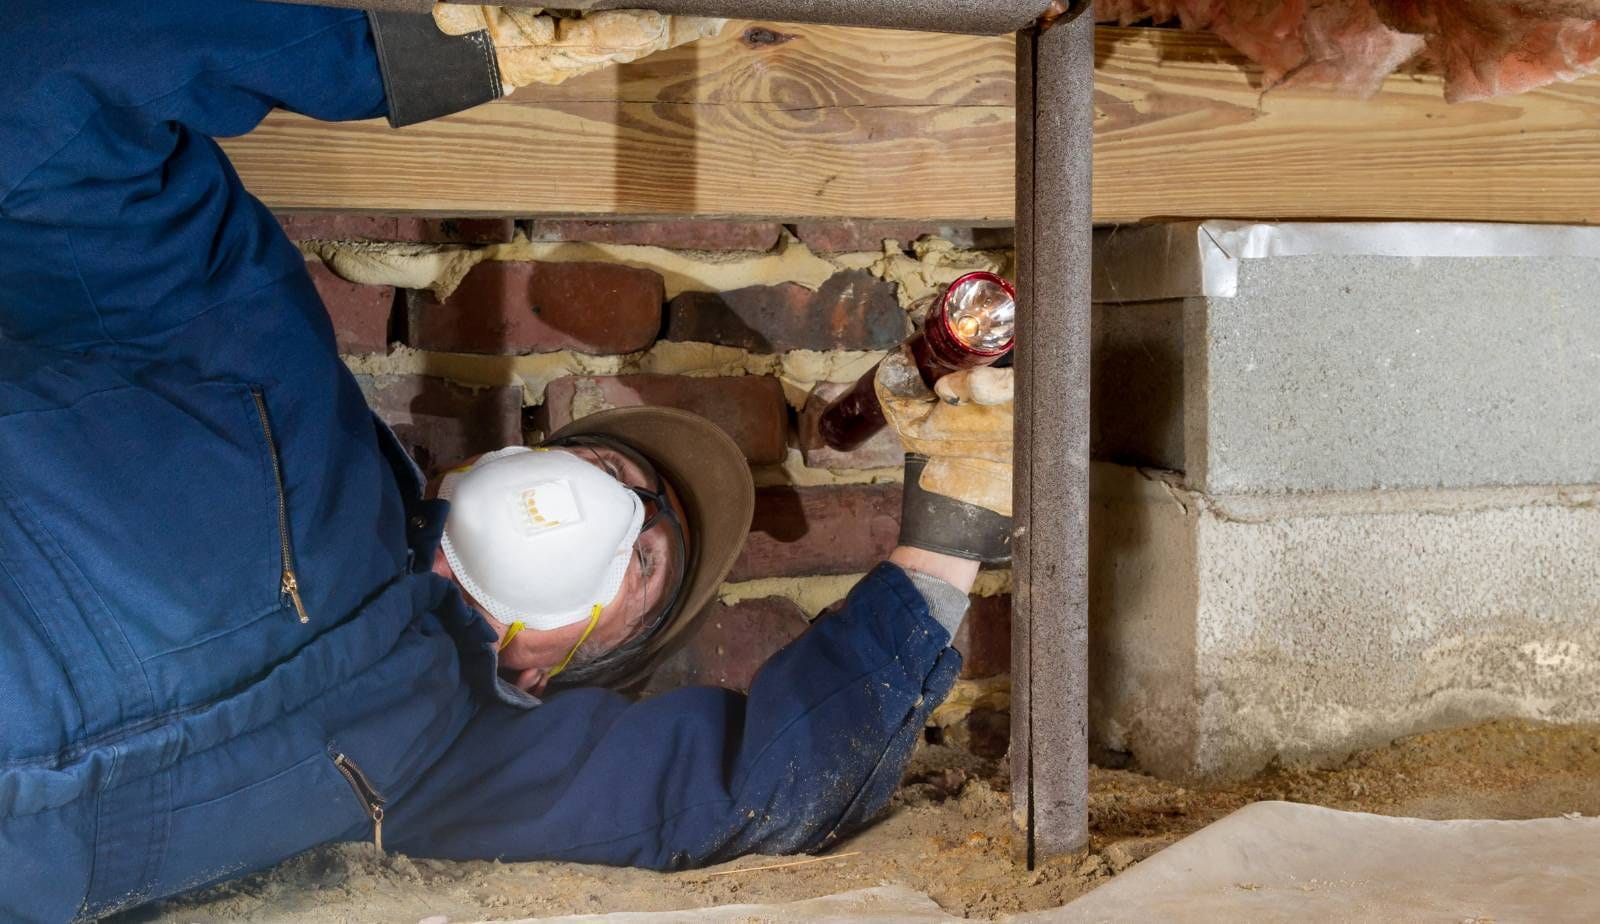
x=594, y=620
x=511, y=633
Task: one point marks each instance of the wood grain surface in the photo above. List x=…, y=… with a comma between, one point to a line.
x=788, y=121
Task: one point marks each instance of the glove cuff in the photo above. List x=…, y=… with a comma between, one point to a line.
x=948, y=526
x=427, y=74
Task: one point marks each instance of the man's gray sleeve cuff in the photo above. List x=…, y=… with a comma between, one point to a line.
x=946, y=602
x=427, y=74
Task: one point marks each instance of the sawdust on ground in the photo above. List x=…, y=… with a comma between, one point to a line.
x=948, y=834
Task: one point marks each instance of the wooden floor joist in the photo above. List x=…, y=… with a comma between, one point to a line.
x=821, y=122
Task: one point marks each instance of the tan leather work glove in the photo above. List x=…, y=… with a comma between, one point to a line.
x=532, y=46
x=964, y=430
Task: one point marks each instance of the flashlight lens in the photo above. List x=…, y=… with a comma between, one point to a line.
x=982, y=315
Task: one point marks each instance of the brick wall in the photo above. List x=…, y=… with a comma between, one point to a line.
x=468, y=335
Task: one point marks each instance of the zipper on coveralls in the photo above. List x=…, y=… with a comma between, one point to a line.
x=289, y=585
x=371, y=799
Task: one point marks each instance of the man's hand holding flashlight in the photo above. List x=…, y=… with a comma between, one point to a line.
x=958, y=439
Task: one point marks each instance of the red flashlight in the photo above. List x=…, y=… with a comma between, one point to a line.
x=972, y=324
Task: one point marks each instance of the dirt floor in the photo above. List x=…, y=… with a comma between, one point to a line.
x=948, y=835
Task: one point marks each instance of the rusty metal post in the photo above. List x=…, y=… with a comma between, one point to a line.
x=1050, y=619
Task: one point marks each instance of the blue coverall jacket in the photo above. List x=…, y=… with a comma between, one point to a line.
x=177, y=431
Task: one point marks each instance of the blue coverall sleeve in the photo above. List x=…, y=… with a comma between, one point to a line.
x=120, y=217
x=698, y=775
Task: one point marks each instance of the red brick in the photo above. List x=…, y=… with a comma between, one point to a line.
x=984, y=640
x=730, y=644
x=883, y=450
x=851, y=311
x=318, y=226
x=834, y=529
x=855, y=236
x=675, y=235
x=749, y=408
x=322, y=226
x=982, y=238
x=504, y=307
x=360, y=314
x=983, y=732
x=442, y=423
x=462, y=230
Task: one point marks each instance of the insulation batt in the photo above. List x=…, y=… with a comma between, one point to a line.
x=1482, y=48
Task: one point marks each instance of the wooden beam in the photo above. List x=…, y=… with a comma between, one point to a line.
x=818, y=122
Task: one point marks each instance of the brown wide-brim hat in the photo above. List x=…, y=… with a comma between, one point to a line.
x=709, y=473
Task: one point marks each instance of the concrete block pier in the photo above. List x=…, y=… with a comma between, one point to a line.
x=1348, y=488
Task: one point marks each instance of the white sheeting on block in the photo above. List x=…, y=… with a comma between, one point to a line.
x=1162, y=260
x=1280, y=861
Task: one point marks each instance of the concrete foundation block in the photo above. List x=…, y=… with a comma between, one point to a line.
x=1350, y=357
x=1228, y=630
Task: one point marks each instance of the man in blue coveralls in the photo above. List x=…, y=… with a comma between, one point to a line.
x=236, y=626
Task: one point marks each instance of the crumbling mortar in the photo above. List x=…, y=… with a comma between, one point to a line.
x=794, y=472
x=798, y=370
x=439, y=268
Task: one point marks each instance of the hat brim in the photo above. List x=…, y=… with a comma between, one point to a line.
x=713, y=482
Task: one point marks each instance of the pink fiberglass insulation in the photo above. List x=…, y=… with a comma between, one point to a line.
x=1482, y=48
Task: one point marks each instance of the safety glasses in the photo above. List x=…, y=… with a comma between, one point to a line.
x=652, y=493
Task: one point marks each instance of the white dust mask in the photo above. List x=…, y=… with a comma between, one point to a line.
x=539, y=536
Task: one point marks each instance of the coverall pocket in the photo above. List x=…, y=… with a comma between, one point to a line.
x=258, y=825
x=165, y=499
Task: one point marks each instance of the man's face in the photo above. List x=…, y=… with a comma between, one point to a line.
x=534, y=653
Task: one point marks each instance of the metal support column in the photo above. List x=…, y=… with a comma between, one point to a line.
x=1050, y=616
